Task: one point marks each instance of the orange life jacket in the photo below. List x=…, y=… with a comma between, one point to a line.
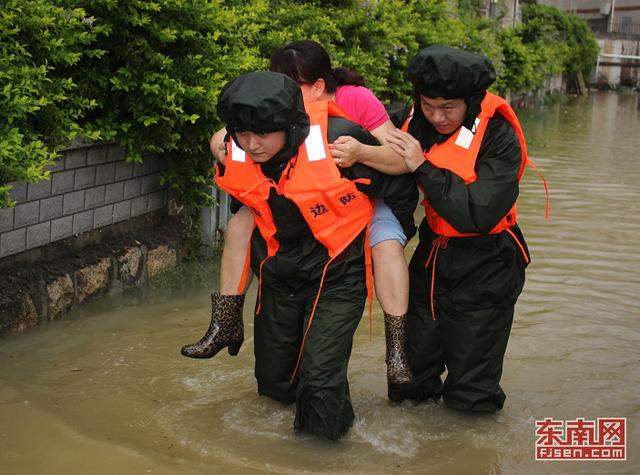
x=459, y=154
x=332, y=206
x=335, y=210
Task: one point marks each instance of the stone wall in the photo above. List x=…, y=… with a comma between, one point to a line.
x=98, y=225
x=90, y=187
x=45, y=291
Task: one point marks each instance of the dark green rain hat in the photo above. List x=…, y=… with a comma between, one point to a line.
x=451, y=73
x=262, y=102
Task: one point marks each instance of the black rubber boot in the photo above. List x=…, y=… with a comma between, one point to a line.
x=225, y=330
x=395, y=329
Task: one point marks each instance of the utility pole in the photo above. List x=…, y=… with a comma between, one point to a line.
x=611, y=14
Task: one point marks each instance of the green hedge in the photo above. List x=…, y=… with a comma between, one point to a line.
x=41, y=108
x=147, y=74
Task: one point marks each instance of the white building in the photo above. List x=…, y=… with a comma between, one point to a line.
x=616, y=16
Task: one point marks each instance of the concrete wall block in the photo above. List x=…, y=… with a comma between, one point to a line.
x=94, y=197
x=139, y=205
x=38, y=235
x=73, y=202
x=36, y=191
x=85, y=177
x=6, y=219
x=75, y=158
x=132, y=187
x=156, y=183
x=115, y=153
x=105, y=173
x=96, y=155
x=124, y=170
x=146, y=184
x=12, y=242
x=57, y=166
x=114, y=192
x=103, y=216
x=62, y=182
x=159, y=164
x=140, y=169
x=157, y=200
x=121, y=211
x=61, y=228
x=148, y=157
x=26, y=214
x=51, y=208
x=83, y=222
x=151, y=183
x=18, y=191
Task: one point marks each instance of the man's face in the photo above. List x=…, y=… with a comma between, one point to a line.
x=446, y=115
x=261, y=147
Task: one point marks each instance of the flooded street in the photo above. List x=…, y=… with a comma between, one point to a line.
x=107, y=392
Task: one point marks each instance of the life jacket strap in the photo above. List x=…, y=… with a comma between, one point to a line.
x=254, y=186
x=368, y=265
x=544, y=182
x=313, y=312
x=363, y=181
x=260, y=285
x=439, y=242
x=369, y=283
x=527, y=259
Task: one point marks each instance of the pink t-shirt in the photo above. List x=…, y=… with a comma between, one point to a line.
x=362, y=106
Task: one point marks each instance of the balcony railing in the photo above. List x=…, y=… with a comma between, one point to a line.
x=602, y=26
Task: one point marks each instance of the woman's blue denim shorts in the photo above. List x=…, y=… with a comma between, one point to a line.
x=385, y=225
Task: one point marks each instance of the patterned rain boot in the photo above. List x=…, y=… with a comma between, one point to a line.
x=226, y=328
x=395, y=330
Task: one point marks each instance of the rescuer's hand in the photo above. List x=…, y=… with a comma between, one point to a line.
x=407, y=147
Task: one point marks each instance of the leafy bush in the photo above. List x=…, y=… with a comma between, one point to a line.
x=40, y=107
x=524, y=67
x=147, y=74
x=156, y=85
x=556, y=41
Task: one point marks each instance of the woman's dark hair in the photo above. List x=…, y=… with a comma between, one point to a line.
x=306, y=61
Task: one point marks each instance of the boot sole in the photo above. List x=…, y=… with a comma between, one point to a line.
x=233, y=349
